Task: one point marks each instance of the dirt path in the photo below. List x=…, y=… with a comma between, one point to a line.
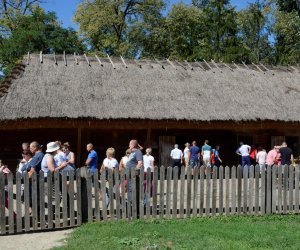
x=34, y=241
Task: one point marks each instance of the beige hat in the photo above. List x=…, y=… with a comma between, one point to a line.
x=51, y=147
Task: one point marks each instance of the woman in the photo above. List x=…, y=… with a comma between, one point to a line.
x=69, y=157
x=60, y=158
x=186, y=154
x=110, y=162
x=48, y=163
x=124, y=160
x=27, y=156
x=148, y=161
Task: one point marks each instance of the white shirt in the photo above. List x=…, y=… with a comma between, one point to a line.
x=261, y=157
x=124, y=160
x=176, y=154
x=147, y=159
x=186, y=152
x=244, y=150
x=110, y=163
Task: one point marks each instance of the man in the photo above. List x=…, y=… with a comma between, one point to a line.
x=34, y=166
x=92, y=159
x=216, y=156
x=286, y=154
x=135, y=160
x=176, y=155
x=206, y=153
x=244, y=151
x=261, y=157
x=273, y=156
x=194, y=155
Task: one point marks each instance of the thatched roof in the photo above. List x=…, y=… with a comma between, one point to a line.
x=155, y=90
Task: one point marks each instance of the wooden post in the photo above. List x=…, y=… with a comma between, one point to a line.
x=221, y=190
x=233, y=190
x=78, y=147
x=175, y=189
x=154, y=192
x=297, y=189
x=2, y=205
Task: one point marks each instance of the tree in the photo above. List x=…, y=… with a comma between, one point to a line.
x=254, y=30
x=287, y=32
x=109, y=26
x=220, y=41
x=289, y=5
x=12, y=9
x=38, y=31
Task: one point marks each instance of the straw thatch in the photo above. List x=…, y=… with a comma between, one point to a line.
x=156, y=90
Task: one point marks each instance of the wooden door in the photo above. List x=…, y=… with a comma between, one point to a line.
x=166, y=144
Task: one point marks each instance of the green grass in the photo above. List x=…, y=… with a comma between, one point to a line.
x=269, y=232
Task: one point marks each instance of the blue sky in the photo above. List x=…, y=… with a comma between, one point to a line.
x=65, y=9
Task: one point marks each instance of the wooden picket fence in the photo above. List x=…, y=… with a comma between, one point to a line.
x=62, y=202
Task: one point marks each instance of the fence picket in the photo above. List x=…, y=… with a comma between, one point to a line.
x=297, y=189
x=226, y=190
x=71, y=197
x=97, y=194
x=256, y=195
x=245, y=188
x=2, y=204
x=103, y=194
x=221, y=190
x=10, y=187
x=162, y=190
x=279, y=189
x=251, y=189
x=123, y=198
x=182, y=189
x=78, y=198
x=202, y=173
x=168, y=203
x=142, y=193
x=49, y=199
x=89, y=188
x=233, y=190
x=175, y=188
x=207, y=201
x=57, y=199
x=239, y=176
x=148, y=192
x=136, y=184
x=214, y=190
x=195, y=190
x=274, y=179
x=189, y=191
x=19, y=203
x=154, y=192
x=34, y=200
x=291, y=188
x=117, y=192
x=263, y=193
x=65, y=204
x=41, y=211
x=269, y=191
x=111, y=193
x=285, y=188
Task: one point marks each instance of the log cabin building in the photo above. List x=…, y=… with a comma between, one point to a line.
x=108, y=101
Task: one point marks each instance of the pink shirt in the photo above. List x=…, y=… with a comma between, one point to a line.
x=271, y=156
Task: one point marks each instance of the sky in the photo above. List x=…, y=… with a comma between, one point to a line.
x=65, y=9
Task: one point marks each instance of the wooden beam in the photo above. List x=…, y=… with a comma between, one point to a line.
x=78, y=160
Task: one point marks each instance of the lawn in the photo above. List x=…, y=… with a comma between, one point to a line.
x=268, y=232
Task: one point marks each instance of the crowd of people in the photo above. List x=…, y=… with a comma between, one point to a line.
x=59, y=157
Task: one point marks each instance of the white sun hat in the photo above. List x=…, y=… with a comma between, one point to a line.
x=51, y=147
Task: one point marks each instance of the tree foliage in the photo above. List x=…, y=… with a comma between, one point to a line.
x=34, y=32
x=108, y=26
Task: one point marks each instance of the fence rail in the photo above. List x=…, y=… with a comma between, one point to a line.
x=61, y=201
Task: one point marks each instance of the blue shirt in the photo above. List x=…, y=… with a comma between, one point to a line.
x=93, y=156
x=194, y=151
x=206, y=147
x=216, y=154
x=35, y=162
